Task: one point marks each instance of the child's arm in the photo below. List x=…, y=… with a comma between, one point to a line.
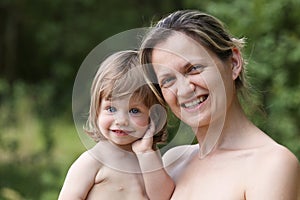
x=158, y=183
x=80, y=178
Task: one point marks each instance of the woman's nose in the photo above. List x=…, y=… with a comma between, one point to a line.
x=185, y=88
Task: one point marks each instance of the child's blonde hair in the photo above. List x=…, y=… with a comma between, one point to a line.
x=120, y=75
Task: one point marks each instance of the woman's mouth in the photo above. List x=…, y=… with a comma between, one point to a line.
x=195, y=103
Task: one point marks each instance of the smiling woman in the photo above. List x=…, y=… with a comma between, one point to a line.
x=200, y=70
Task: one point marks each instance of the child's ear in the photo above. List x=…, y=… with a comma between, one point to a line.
x=236, y=63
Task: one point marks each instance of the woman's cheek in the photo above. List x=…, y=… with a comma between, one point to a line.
x=171, y=99
x=169, y=96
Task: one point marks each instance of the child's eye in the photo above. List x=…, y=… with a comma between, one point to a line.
x=134, y=111
x=111, y=109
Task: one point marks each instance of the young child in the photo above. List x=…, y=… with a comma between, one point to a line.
x=124, y=163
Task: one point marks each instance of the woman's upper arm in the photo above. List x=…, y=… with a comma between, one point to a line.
x=80, y=178
x=276, y=177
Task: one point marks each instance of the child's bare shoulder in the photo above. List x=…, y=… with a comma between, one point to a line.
x=84, y=169
x=84, y=164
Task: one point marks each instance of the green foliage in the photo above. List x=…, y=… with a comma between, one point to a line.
x=33, y=153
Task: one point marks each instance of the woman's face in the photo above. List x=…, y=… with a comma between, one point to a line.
x=195, y=83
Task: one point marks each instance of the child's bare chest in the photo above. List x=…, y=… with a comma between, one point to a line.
x=111, y=184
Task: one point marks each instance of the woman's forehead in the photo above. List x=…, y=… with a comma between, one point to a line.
x=180, y=55
x=181, y=46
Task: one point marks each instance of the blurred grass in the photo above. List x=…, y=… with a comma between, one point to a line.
x=30, y=167
x=30, y=173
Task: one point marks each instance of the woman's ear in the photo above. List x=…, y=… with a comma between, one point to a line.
x=236, y=63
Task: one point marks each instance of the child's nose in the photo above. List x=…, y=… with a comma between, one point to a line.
x=121, y=119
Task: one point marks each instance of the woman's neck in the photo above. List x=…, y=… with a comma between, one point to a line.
x=221, y=132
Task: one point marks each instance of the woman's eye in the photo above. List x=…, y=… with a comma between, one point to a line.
x=195, y=69
x=167, y=82
x=134, y=111
x=111, y=109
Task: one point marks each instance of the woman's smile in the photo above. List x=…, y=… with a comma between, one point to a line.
x=194, y=104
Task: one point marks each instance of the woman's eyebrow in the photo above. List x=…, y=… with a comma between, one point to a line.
x=187, y=65
x=163, y=75
x=169, y=72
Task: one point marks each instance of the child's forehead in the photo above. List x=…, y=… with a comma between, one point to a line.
x=132, y=98
x=127, y=102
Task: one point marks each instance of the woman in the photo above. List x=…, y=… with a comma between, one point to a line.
x=200, y=71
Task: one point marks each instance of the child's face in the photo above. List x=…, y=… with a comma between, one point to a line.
x=123, y=121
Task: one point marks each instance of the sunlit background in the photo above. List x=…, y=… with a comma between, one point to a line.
x=43, y=43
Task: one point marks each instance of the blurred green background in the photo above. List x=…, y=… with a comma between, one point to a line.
x=44, y=42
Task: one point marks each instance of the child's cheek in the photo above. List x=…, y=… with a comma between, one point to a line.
x=142, y=122
x=105, y=121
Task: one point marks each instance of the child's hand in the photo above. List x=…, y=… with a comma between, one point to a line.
x=144, y=144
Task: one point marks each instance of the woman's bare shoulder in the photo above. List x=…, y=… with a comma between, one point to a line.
x=265, y=150
x=271, y=157
x=276, y=169
x=277, y=153
x=180, y=153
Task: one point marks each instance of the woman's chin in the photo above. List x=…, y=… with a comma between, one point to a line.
x=196, y=121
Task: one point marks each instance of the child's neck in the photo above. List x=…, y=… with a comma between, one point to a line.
x=115, y=157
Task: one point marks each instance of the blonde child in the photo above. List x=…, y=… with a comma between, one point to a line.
x=124, y=163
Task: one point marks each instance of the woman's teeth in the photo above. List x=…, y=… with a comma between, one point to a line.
x=195, y=102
